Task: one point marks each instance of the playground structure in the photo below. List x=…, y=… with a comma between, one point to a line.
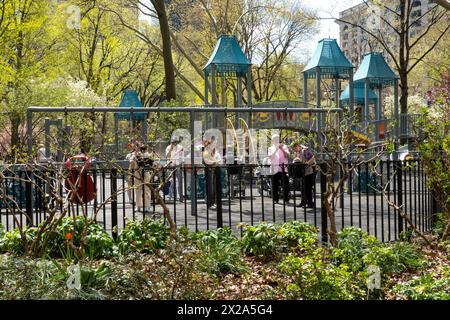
x=228, y=62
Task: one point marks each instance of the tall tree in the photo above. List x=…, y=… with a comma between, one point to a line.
x=26, y=53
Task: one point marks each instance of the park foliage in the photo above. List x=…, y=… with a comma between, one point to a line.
x=276, y=261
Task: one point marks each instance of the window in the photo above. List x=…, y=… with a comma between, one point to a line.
x=345, y=37
x=417, y=23
x=416, y=13
x=416, y=4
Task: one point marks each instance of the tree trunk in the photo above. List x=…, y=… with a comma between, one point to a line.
x=167, y=49
x=332, y=230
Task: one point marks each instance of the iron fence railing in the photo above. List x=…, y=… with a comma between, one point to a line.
x=227, y=195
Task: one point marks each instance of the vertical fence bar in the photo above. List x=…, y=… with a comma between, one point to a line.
x=375, y=190
x=415, y=194
x=388, y=169
x=341, y=176
x=28, y=198
x=382, y=185
x=285, y=190
x=175, y=191
x=104, y=197
x=194, y=196
x=240, y=193
x=262, y=195
x=218, y=197
x=114, y=226
x=350, y=191
x=359, y=196
x=94, y=173
x=399, y=172
x=123, y=199
x=229, y=195
x=410, y=191
x=251, y=195
x=21, y=191
x=184, y=195
x=324, y=217
x=366, y=167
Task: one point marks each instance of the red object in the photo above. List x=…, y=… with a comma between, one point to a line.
x=68, y=236
x=78, y=166
x=381, y=131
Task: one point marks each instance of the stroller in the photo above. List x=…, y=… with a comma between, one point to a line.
x=264, y=176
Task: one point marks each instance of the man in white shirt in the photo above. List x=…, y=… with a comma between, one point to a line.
x=279, y=159
x=175, y=156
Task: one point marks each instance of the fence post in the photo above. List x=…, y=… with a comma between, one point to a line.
x=218, y=197
x=434, y=210
x=323, y=190
x=114, y=203
x=29, y=198
x=399, y=173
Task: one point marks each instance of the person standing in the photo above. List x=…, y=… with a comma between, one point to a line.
x=279, y=159
x=132, y=148
x=139, y=167
x=211, y=159
x=308, y=159
x=175, y=156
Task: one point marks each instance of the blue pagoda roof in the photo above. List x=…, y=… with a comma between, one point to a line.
x=376, y=70
x=228, y=58
x=130, y=99
x=331, y=60
x=359, y=94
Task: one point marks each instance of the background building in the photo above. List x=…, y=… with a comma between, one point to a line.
x=355, y=42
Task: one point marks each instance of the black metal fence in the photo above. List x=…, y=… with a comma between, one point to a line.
x=228, y=195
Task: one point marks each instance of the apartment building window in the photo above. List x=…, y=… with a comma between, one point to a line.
x=416, y=13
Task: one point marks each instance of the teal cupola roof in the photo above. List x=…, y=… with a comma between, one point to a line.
x=376, y=70
x=359, y=94
x=228, y=58
x=130, y=99
x=331, y=60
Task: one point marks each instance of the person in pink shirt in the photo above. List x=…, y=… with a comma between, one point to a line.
x=279, y=159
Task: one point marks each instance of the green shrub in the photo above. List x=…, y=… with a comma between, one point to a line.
x=144, y=236
x=270, y=240
x=441, y=223
x=221, y=252
x=313, y=277
x=97, y=243
x=394, y=258
x=11, y=241
x=426, y=287
x=351, y=247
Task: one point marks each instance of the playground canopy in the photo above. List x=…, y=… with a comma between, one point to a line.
x=228, y=58
x=130, y=99
x=331, y=60
x=358, y=95
x=375, y=69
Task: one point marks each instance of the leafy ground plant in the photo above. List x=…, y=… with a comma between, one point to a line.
x=221, y=252
x=313, y=277
x=268, y=240
x=144, y=236
x=428, y=286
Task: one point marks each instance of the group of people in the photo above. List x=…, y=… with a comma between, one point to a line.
x=279, y=157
